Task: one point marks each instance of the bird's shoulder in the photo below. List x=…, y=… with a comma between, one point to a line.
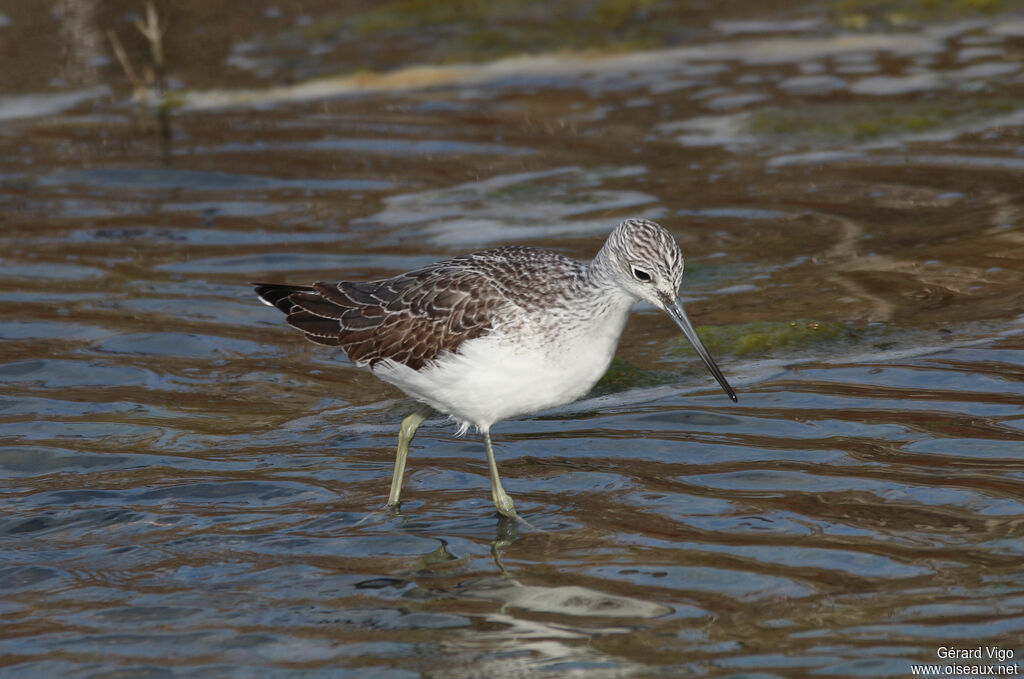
x=527, y=277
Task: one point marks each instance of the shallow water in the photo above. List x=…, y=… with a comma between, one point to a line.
x=189, y=489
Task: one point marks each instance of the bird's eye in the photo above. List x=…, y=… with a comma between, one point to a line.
x=641, y=275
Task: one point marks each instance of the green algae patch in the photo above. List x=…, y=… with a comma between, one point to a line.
x=859, y=122
x=485, y=29
x=766, y=337
x=859, y=15
x=623, y=375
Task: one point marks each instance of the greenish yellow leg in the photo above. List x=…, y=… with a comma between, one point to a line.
x=405, y=435
x=501, y=499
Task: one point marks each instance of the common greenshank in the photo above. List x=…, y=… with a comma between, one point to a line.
x=495, y=334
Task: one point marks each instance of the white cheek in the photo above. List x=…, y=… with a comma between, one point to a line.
x=641, y=290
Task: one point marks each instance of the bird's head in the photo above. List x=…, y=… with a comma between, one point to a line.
x=645, y=261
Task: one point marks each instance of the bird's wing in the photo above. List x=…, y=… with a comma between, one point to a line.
x=410, y=319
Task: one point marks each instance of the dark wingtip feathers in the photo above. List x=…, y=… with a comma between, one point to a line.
x=276, y=295
x=316, y=328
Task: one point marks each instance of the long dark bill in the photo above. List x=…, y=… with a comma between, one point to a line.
x=675, y=310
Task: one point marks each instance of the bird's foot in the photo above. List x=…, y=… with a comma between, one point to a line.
x=505, y=506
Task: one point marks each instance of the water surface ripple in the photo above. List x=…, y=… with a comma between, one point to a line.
x=188, y=489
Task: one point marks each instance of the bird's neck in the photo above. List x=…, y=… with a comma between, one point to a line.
x=603, y=301
x=600, y=277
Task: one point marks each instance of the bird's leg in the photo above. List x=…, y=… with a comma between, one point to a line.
x=501, y=499
x=405, y=435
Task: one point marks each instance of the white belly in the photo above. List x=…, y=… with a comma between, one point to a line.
x=497, y=376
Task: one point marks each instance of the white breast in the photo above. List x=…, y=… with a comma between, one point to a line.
x=517, y=369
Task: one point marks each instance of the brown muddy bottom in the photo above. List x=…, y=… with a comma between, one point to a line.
x=191, y=490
